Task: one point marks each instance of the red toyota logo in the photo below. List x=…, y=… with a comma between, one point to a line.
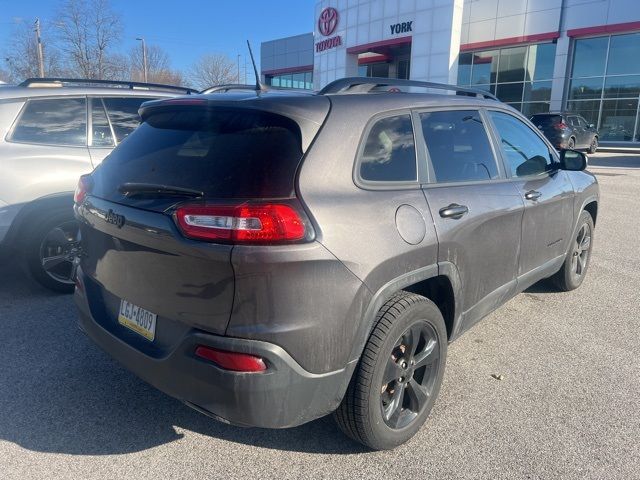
x=328, y=21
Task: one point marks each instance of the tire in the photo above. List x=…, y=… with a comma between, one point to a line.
x=571, y=144
x=574, y=269
x=386, y=379
x=593, y=148
x=53, y=237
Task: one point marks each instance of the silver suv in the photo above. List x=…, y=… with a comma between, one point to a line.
x=270, y=258
x=51, y=132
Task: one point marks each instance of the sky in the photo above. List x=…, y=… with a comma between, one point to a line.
x=185, y=29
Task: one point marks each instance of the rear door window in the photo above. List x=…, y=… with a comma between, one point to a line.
x=101, y=135
x=458, y=146
x=225, y=153
x=389, y=152
x=52, y=121
x=123, y=114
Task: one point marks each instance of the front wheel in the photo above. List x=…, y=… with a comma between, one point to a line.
x=51, y=249
x=399, y=375
x=594, y=145
x=574, y=269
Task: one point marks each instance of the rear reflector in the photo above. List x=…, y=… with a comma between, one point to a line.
x=236, y=362
x=244, y=223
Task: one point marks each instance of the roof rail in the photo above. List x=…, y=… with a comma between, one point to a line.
x=61, y=82
x=228, y=86
x=366, y=84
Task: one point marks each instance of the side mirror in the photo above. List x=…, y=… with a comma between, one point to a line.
x=573, y=160
x=591, y=125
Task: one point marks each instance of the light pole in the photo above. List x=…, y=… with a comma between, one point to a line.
x=239, y=69
x=39, y=43
x=144, y=59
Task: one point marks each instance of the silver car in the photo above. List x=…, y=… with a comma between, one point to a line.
x=52, y=131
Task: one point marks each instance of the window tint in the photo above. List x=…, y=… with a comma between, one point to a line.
x=524, y=151
x=583, y=122
x=60, y=121
x=573, y=121
x=123, y=113
x=101, y=131
x=458, y=146
x=224, y=153
x=389, y=153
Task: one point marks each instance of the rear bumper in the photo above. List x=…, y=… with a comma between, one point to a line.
x=284, y=396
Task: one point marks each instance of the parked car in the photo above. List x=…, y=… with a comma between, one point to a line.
x=269, y=259
x=51, y=132
x=567, y=130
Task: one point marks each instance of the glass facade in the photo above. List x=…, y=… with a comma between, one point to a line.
x=605, y=85
x=291, y=80
x=520, y=76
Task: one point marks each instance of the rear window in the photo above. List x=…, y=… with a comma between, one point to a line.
x=56, y=121
x=545, y=120
x=223, y=153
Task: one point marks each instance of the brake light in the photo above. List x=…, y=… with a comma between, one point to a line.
x=236, y=362
x=84, y=186
x=244, y=223
x=561, y=126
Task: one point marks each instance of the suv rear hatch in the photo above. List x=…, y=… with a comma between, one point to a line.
x=186, y=154
x=550, y=124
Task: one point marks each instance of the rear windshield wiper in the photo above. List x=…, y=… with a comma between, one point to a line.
x=131, y=189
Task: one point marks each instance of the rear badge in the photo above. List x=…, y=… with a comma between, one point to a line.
x=114, y=218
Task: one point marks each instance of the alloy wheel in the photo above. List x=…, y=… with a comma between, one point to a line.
x=409, y=376
x=58, y=250
x=581, y=250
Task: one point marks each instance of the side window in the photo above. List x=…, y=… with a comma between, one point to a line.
x=583, y=122
x=100, y=130
x=458, y=145
x=524, y=151
x=573, y=121
x=123, y=113
x=389, y=153
x=52, y=121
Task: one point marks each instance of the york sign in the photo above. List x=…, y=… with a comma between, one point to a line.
x=403, y=27
x=327, y=24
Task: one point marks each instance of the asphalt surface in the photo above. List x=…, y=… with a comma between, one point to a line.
x=568, y=405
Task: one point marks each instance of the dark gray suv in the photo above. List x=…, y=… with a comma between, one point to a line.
x=271, y=258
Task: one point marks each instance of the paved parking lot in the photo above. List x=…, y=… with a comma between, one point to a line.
x=568, y=406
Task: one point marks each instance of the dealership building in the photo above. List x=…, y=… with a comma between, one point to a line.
x=536, y=55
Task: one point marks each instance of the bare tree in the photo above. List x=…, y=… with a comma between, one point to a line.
x=158, y=66
x=88, y=30
x=22, y=56
x=213, y=69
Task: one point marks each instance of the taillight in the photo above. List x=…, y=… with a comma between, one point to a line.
x=236, y=362
x=243, y=223
x=84, y=187
x=561, y=126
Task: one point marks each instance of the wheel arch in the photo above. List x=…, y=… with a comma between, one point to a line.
x=440, y=283
x=592, y=208
x=22, y=223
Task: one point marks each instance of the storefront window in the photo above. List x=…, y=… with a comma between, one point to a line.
x=508, y=74
x=605, y=85
x=291, y=80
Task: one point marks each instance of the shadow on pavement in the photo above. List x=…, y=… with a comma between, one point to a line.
x=60, y=393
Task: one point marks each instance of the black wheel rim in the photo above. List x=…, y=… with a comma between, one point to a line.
x=58, y=251
x=581, y=251
x=410, y=374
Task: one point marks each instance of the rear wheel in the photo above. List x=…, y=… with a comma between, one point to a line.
x=575, y=266
x=571, y=144
x=398, y=378
x=51, y=249
x=594, y=145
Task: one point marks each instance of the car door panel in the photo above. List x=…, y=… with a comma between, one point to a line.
x=476, y=212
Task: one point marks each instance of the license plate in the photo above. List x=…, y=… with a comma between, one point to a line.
x=136, y=318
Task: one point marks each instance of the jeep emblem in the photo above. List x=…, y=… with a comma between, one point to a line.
x=114, y=218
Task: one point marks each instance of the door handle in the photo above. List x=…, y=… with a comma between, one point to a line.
x=532, y=195
x=454, y=211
